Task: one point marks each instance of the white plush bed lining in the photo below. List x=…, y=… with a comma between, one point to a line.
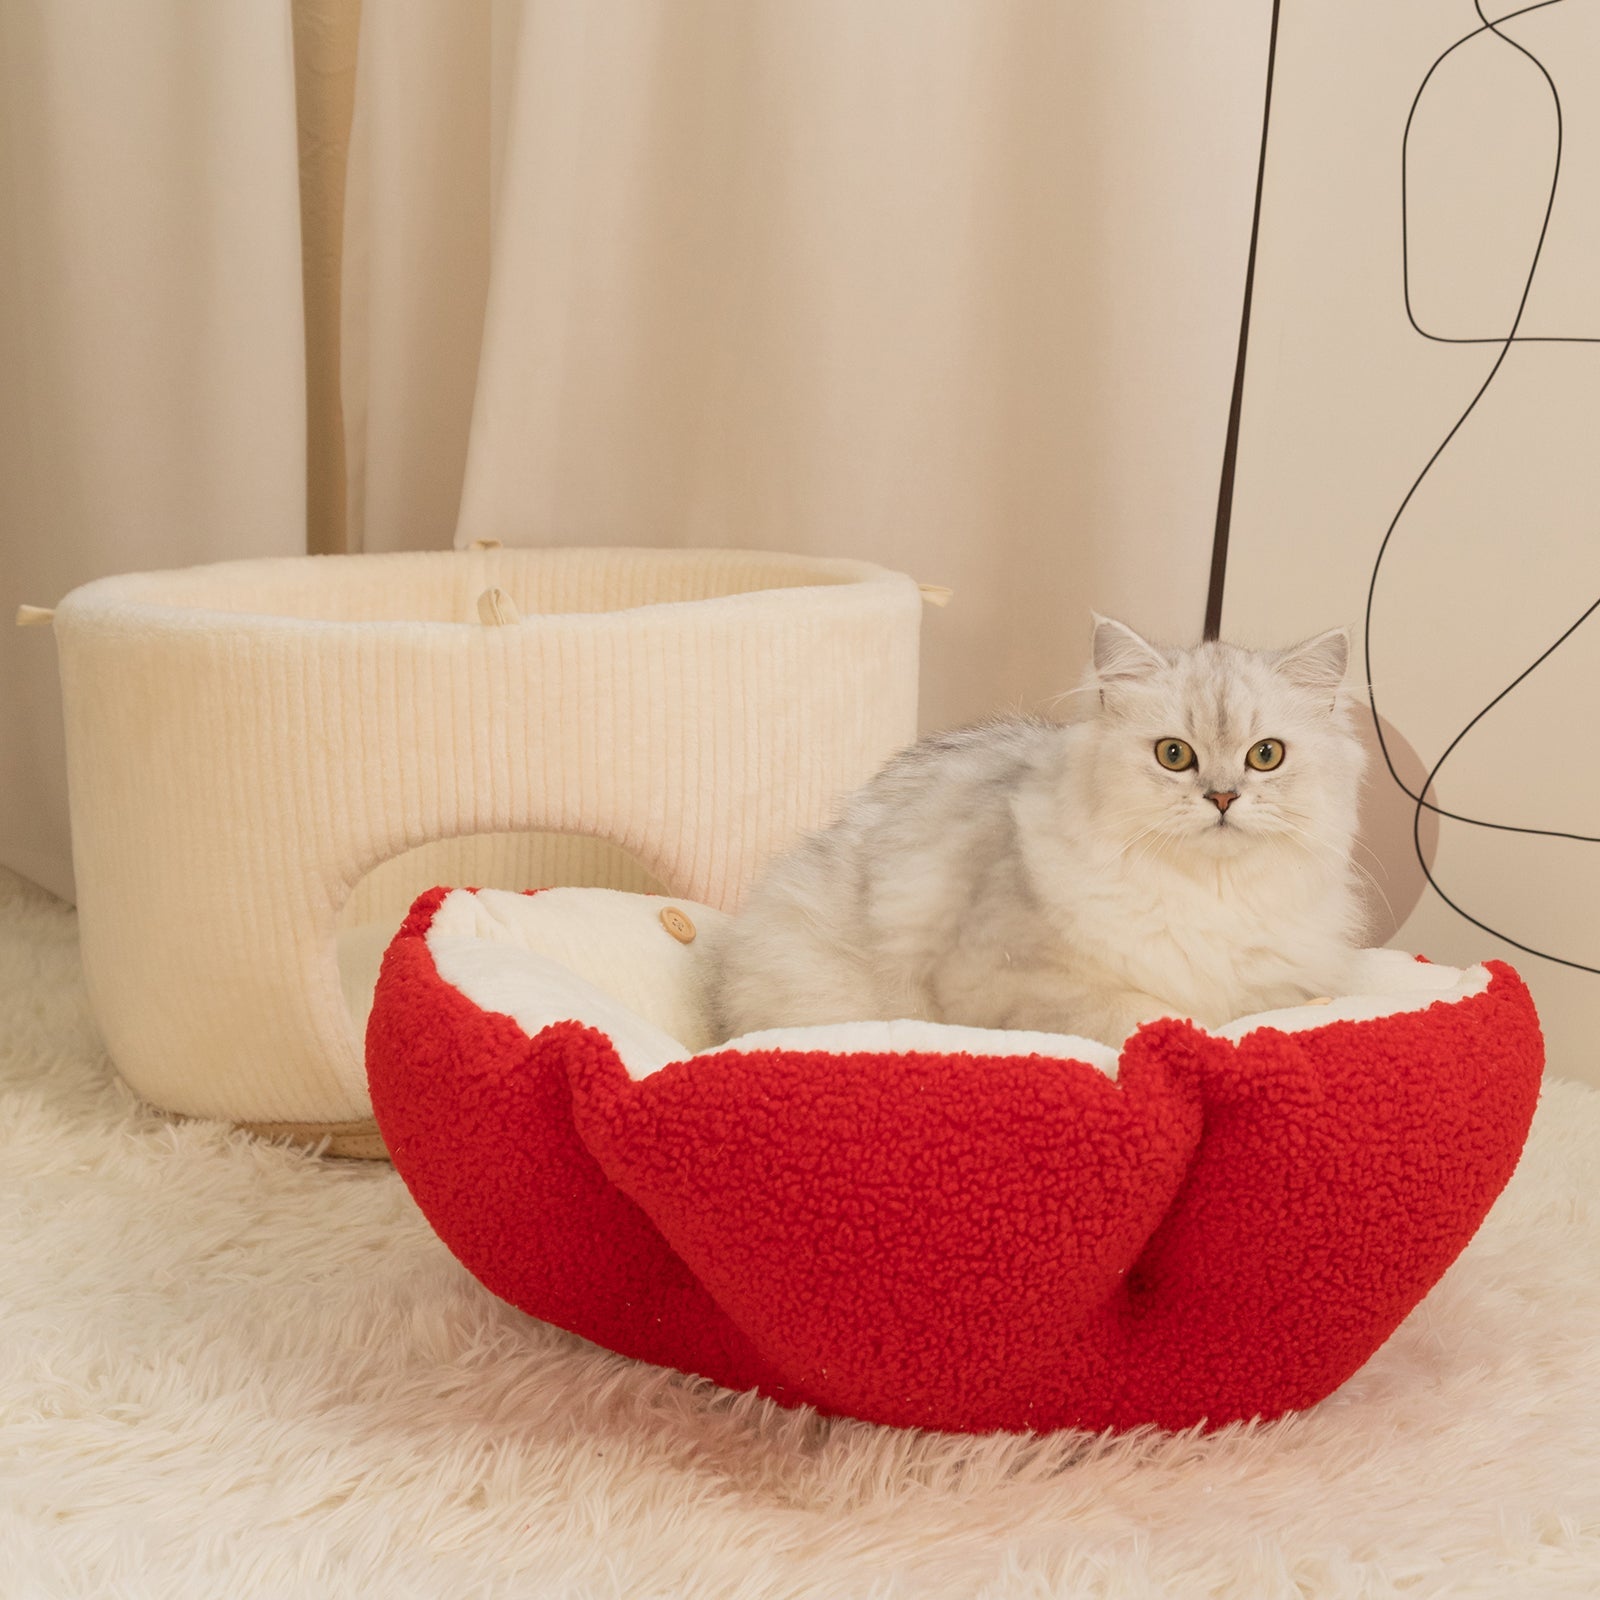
x=600, y=957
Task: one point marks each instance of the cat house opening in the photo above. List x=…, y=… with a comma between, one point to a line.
x=380, y=900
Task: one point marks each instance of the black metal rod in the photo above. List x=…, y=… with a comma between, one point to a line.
x=1230, y=449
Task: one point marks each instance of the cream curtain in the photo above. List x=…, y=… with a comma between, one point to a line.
x=152, y=377
x=952, y=285
x=949, y=284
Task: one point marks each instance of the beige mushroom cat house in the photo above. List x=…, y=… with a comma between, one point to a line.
x=268, y=760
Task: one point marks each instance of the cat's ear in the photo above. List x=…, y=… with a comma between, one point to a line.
x=1121, y=655
x=1319, y=662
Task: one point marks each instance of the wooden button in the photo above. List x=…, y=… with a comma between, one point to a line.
x=678, y=925
x=496, y=608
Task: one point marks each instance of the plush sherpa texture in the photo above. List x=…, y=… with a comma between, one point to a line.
x=229, y=1368
x=1226, y=1230
x=247, y=741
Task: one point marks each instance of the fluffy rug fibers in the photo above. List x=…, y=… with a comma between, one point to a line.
x=231, y=1368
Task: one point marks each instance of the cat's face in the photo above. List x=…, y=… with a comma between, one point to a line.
x=1221, y=750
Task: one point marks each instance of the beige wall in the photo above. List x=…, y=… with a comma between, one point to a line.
x=1497, y=554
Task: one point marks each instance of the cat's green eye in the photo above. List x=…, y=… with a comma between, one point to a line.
x=1174, y=755
x=1266, y=755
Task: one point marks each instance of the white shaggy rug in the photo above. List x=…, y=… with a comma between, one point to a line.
x=229, y=1369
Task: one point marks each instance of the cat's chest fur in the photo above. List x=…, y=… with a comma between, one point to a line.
x=1216, y=938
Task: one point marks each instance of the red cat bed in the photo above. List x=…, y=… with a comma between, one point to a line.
x=936, y=1226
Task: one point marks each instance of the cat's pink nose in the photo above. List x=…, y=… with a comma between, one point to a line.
x=1222, y=799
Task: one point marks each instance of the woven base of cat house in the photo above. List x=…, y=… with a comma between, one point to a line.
x=933, y=1226
x=269, y=760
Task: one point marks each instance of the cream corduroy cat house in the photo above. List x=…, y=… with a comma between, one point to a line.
x=269, y=759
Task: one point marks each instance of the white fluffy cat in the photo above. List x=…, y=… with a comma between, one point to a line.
x=1184, y=850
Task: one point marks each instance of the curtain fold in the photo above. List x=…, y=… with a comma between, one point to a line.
x=416, y=234
x=326, y=34
x=152, y=408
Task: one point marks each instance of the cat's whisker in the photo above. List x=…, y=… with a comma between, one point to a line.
x=1334, y=854
x=1361, y=844
x=1377, y=888
x=1067, y=694
x=1161, y=840
x=1153, y=838
x=1140, y=846
x=1289, y=826
x=1142, y=834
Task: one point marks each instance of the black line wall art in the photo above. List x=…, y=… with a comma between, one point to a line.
x=1418, y=455
x=1467, y=267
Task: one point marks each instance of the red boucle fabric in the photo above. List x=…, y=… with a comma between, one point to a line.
x=1226, y=1231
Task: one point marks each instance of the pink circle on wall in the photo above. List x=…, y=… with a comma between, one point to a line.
x=1385, y=847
